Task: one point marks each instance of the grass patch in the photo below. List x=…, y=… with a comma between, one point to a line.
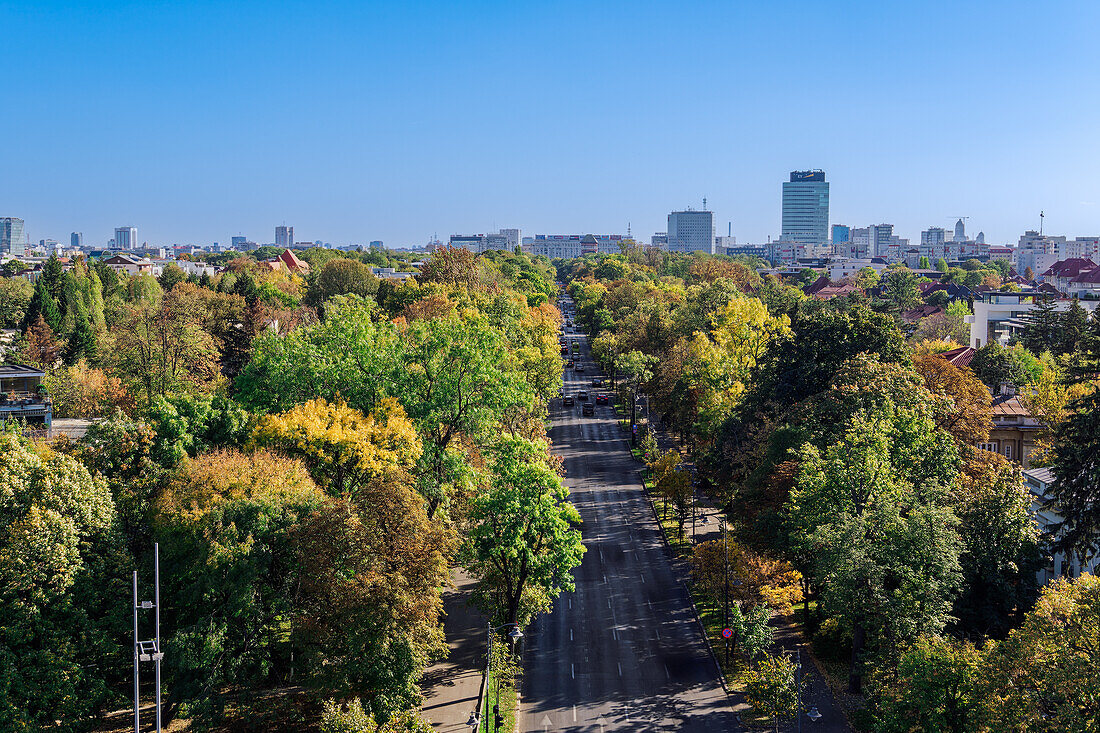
x=500, y=689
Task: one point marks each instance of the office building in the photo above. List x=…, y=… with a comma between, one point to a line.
x=806, y=209
x=691, y=231
x=568, y=246
x=375, y=244
x=842, y=233
x=284, y=237
x=659, y=239
x=480, y=242
x=11, y=236
x=125, y=238
x=513, y=237
x=238, y=243
x=76, y=240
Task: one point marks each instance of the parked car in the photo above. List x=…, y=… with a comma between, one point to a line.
x=588, y=409
x=601, y=399
x=582, y=395
x=567, y=400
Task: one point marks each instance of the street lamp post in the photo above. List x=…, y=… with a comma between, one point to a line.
x=514, y=635
x=726, y=585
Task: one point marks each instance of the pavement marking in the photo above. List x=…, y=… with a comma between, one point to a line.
x=572, y=671
x=574, y=713
x=570, y=634
x=620, y=664
x=658, y=633
x=667, y=675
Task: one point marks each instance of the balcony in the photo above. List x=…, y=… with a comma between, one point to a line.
x=21, y=397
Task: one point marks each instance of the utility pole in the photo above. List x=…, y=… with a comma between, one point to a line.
x=726, y=593
x=148, y=650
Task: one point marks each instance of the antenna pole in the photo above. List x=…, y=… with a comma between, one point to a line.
x=156, y=595
x=137, y=693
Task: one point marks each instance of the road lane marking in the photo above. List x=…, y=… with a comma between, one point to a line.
x=570, y=634
x=667, y=675
x=620, y=664
x=574, y=713
x=572, y=672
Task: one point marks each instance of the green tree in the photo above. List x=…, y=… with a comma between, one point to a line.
x=15, y=296
x=1075, y=493
x=925, y=263
x=1074, y=325
x=1000, y=546
x=60, y=581
x=899, y=288
x=42, y=303
x=771, y=687
x=341, y=277
x=1044, y=676
x=871, y=513
x=995, y=365
x=160, y=347
x=936, y=686
x=941, y=265
x=1043, y=329
x=523, y=539
x=170, y=276
x=224, y=525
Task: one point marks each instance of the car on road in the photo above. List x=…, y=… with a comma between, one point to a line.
x=579, y=367
x=569, y=364
x=582, y=395
x=588, y=409
x=597, y=382
x=565, y=351
x=601, y=399
x=567, y=400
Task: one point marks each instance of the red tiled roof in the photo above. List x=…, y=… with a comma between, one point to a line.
x=921, y=311
x=960, y=357
x=1091, y=277
x=1072, y=267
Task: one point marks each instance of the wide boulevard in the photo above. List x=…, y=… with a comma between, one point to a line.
x=624, y=652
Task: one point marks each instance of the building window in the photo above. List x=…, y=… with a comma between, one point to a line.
x=1008, y=452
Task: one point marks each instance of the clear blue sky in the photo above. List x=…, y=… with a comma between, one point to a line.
x=195, y=121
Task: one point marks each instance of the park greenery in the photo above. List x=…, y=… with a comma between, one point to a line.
x=315, y=454
x=844, y=452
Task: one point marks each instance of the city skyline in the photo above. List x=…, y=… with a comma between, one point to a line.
x=990, y=108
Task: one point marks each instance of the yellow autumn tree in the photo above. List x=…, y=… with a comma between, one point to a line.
x=343, y=448
x=723, y=360
x=754, y=578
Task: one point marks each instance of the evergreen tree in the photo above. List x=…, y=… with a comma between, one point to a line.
x=941, y=265
x=42, y=304
x=82, y=341
x=1075, y=494
x=52, y=274
x=206, y=282
x=1073, y=327
x=1043, y=331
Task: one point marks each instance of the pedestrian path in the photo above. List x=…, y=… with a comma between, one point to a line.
x=452, y=685
x=788, y=638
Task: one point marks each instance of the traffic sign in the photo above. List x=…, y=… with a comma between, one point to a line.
x=727, y=633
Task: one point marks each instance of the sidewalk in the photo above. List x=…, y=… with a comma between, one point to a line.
x=451, y=686
x=788, y=638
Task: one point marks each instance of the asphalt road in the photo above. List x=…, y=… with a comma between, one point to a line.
x=623, y=652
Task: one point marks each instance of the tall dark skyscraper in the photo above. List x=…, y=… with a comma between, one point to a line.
x=806, y=208
x=76, y=240
x=11, y=236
